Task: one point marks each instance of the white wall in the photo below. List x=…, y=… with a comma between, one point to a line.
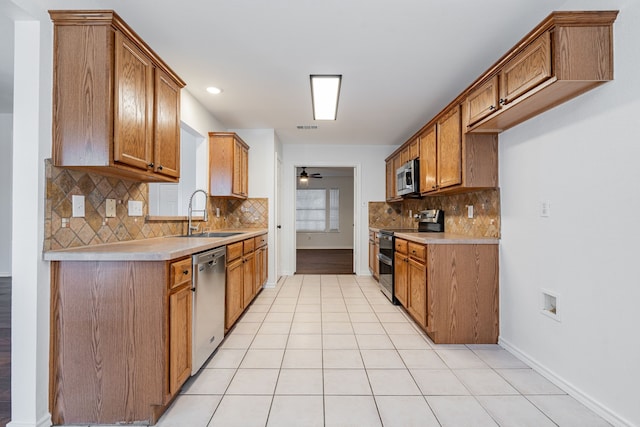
x=343, y=238
x=582, y=157
x=31, y=281
x=6, y=142
x=262, y=169
x=369, y=178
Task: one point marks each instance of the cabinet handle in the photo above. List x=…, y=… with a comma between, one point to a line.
x=150, y=165
x=185, y=272
x=492, y=107
x=160, y=167
x=502, y=101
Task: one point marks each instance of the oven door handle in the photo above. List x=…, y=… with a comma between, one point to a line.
x=385, y=260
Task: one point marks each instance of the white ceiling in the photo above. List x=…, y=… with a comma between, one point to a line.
x=402, y=61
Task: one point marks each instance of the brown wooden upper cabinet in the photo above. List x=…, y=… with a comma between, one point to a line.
x=116, y=104
x=228, y=165
x=451, y=161
x=566, y=55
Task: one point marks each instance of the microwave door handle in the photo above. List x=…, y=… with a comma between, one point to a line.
x=408, y=178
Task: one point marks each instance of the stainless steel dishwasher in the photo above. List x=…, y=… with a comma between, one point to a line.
x=208, y=304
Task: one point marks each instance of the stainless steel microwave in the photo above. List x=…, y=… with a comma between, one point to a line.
x=407, y=181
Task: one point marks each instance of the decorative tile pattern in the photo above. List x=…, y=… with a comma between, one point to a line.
x=95, y=228
x=486, y=208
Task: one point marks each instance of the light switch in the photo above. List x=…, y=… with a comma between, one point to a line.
x=135, y=208
x=77, y=203
x=111, y=208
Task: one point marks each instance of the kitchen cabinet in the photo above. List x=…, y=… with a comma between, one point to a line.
x=400, y=272
x=228, y=165
x=118, y=325
x=180, y=318
x=246, y=266
x=261, y=261
x=417, y=283
x=234, y=292
x=374, y=250
x=451, y=161
x=116, y=104
x=566, y=55
x=249, y=272
x=450, y=290
x=390, y=180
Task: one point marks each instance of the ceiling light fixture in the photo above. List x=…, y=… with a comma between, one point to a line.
x=325, y=91
x=214, y=90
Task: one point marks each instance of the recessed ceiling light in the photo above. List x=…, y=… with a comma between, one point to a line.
x=325, y=91
x=214, y=90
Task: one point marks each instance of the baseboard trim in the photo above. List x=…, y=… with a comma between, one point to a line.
x=45, y=421
x=566, y=386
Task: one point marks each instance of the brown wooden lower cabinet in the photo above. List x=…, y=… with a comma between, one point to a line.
x=245, y=275
x=120, y=339
x=451, y=290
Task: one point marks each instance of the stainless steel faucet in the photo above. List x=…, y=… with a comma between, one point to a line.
x=191, y=228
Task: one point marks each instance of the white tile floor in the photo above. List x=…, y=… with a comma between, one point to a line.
x=332, y=351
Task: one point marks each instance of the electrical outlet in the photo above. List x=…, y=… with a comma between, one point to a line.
x=545, y=209
x=77, y=206
x=135, y=208
x=111, y=208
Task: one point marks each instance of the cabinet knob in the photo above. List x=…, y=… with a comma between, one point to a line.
x=185, y=272
x=150, y=165
x=502, y=101
x=492, y=107
x=160, y=167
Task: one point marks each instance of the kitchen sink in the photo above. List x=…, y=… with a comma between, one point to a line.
x=215, y=234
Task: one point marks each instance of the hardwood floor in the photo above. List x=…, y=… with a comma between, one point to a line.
x=5, y=350
x=324, y=261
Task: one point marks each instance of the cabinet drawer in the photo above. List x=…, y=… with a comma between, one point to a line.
x=401, y=246
x=181, y=272
x=417, y=251
x=234, y=251
x=249, y=246
x=260, y=241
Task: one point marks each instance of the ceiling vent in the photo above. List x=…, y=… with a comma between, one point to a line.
x=307, y=127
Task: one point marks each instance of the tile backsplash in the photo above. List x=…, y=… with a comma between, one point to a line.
x=95, y=228
x=486, y=209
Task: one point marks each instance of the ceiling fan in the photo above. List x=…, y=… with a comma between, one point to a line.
x=304, y=176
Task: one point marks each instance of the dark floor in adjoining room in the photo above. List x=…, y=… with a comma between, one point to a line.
x=324, y=261
x=5, y=350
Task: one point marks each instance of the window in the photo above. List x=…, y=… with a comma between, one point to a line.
x=318, y=209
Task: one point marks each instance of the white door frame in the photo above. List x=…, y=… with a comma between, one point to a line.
x=356, y=207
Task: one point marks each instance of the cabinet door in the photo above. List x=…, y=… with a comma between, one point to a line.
x=179, y=338
x=400, y=278
x=417, y=307
x=133, y=137
x=234, y=303
x=248, y=279
x=527, y=70
x=449, y=149
x=240, y=168
x=166, y=148
x=390, y=180
x=428, y=160
x=482, y=102
x=372, y=249
x=261, y=268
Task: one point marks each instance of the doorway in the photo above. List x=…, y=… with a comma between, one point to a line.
x=324, y=220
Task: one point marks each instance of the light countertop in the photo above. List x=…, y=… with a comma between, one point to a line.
x=427, y=238
x=153, y=249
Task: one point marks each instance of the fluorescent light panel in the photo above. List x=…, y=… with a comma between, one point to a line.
x=325, y=91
